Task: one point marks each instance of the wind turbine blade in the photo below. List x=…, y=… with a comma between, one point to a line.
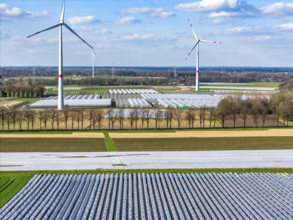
x=212, y=42
x=69, y=28
x=193, y=30
x=62, y=12
x=191, y=50
x=57, y=25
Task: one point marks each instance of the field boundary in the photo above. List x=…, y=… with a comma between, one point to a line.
x=206, y=133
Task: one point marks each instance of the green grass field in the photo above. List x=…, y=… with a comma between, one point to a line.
x=11, y=183
x=203, y=144
x=30, y=100
x=52, y=145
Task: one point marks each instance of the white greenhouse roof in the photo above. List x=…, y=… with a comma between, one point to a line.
x=73, y=101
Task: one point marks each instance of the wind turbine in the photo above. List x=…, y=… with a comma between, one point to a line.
x=197, y=54
x=93, y=63
x=60, y=72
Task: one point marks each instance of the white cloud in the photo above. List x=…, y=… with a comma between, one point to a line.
x=242, y=29
x=207, y=5
x=38, y=14
x=9, y=13
x=220, y=10
x=82, y=20
x=127, y=20
x=278, y=8
x=153, y=12
x=139, y=37
x=285, y=27
x=159, y=12
x=104, y=31
x=263, y=38
x=137, y=10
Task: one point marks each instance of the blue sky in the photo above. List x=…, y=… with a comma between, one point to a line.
x=149, y=32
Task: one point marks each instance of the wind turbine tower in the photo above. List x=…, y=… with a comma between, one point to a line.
x=34, y=72
x=175, y=71
x=197, y=42
x=113, y=71
x=93, y=63
x=60, y=105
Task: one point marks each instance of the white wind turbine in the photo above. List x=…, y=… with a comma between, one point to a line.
x=197, y=54
x=93, y=63
x=60, y=72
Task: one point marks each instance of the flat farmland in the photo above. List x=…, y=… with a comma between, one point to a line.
x=203, y=144
x=154, y=196
x=51, y=144
x=239, y=132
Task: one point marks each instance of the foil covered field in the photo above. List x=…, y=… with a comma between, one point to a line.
x=154, y=196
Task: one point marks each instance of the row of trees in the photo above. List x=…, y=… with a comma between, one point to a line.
x=279, y=106
x=235, y=111
x=23, y=91
x=80, y=119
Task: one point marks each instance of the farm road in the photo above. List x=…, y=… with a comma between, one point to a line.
x=147, y=160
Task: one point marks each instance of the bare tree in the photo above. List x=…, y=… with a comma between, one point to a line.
x=8, y=117
x=72, y=115
x=234, y=108
x=52, y=117
x=136, y=114
x=113, y=117
x=58, y=115
x=264, y=109
x=158, y=117
x=66, y=116
x=145, y=117
x=202, y=116
x=33, y=119
x=255, y=111
x=178, y=115
x=27, y=117
x=169, y=117
x=45, y=117
x=41, y=115
x=190, y=117
x=20, y=119
x=13, y=117
x=223, y=110
x=121, y=118
x=245, y=106
x=100, y=114
x=2, y=118
x=131, y=117
x=77, y=117
x=212, y=113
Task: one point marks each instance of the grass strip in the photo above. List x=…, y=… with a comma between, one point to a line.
x=204, y=144
x=16, y=181
x=111, y=147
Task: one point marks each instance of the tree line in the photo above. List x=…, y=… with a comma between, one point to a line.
x=232, y=111
x=23, y=91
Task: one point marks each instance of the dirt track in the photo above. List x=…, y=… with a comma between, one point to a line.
x=177, y=134
x=210, y=133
